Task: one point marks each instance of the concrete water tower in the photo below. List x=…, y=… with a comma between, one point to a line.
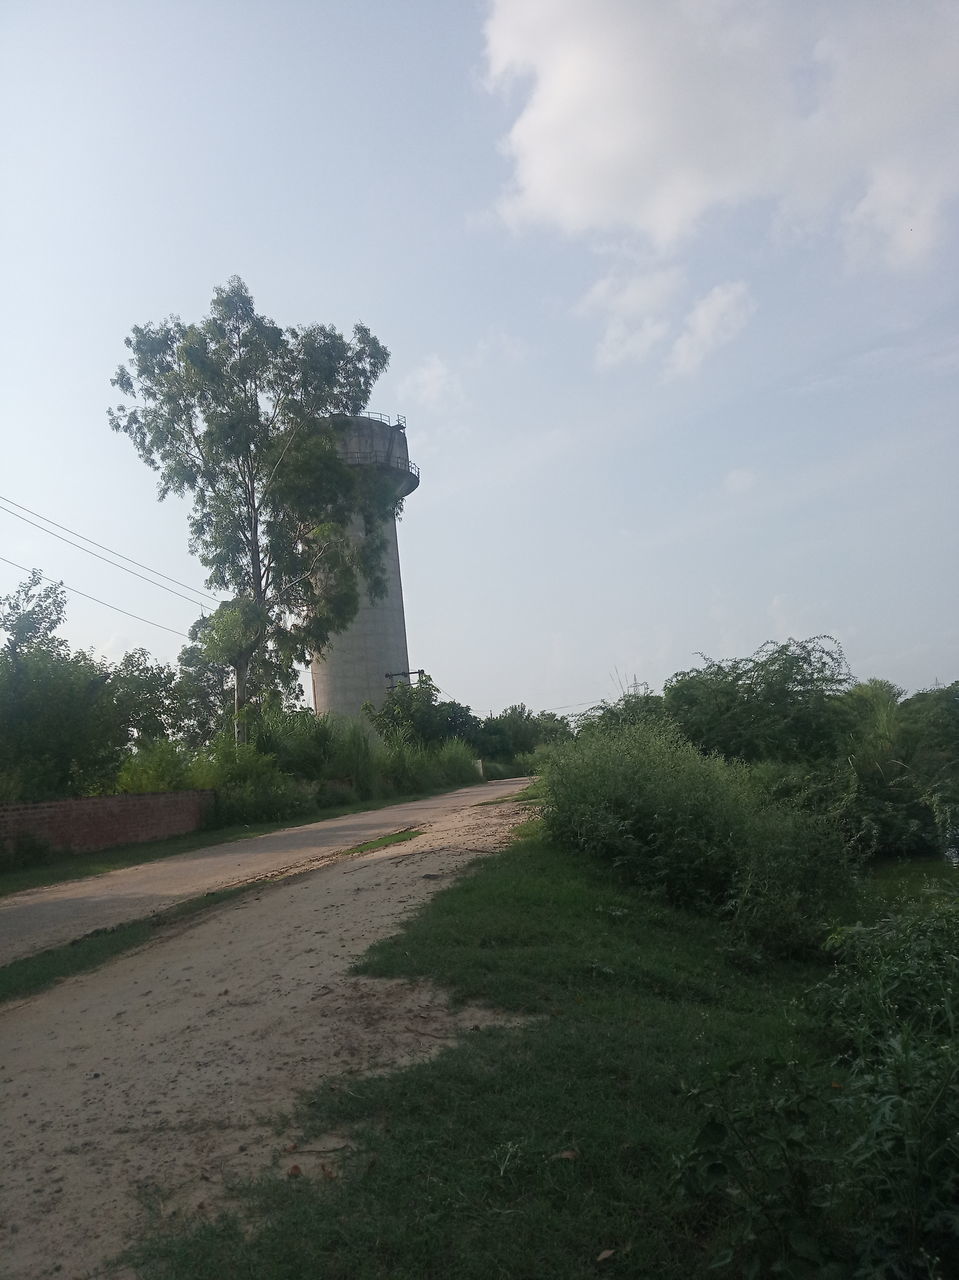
x=364, y=661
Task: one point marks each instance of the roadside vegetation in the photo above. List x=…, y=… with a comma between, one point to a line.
x=737, y=940
x=74, y=725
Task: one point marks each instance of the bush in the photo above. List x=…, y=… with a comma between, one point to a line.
x=456, y=763
x=157, y=766
x=299, y=741
x=698, y=830
x=899, y=975
x=250, y=786
x=358, y=757
x=533, y=762
x=851, y=1168
x=494, y=771
x=412, y=767
x=333, y=793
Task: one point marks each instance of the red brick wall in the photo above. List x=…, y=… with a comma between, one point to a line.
x=99, y=822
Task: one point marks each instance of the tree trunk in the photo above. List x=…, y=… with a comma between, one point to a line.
x=241, y=671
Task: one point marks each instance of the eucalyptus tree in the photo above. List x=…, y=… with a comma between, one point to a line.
x=241, y=416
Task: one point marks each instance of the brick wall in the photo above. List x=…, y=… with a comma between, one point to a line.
x=99, y=822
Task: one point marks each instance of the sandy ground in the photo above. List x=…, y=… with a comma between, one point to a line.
x=155, y=1080
x=49, y=917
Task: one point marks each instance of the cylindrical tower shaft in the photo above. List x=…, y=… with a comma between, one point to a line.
x=364, y=660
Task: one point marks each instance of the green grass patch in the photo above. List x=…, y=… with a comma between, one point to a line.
x=79, y=866
x=398, y=837
x=531, y=1151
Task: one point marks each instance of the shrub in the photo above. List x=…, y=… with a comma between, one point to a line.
x=698, y=830
x=456, y=763
x=533, y=762
x=850, y=1168
x=412, y=767
x=333, y=793
x=299, y=741
x=899, y=975
x=357, y=756
x=250, y=786
x=157, y=766
x=494, y=771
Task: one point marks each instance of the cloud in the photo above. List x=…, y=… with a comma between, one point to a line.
x=433, y=385
x=634, y=306
x=715, y=320
x=652, y=118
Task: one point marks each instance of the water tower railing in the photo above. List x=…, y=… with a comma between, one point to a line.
x=376, y=457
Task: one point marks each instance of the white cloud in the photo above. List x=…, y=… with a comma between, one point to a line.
x=715, y=320
x=650, y=117
x=634, y=307
x=635, y=295
x=432, y=385
x=629, y=344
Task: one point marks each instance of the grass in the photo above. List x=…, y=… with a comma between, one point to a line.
x=79, y=866
x=27, y=976
x=36, y=973
x=546, y=1150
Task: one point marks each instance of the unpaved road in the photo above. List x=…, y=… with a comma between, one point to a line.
x=41, y=918
x=153, y=1080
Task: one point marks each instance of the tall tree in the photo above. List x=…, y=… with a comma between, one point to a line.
x=243, y=416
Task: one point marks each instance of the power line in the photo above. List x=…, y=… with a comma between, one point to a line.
x=141, y=576
x=118, y=554
x=106, y=604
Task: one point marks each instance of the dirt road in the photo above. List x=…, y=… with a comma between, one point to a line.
x=151, y=1081
x=41, y=918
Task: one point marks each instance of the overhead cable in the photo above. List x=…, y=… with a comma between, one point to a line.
x=106, y=604
x=119, y=554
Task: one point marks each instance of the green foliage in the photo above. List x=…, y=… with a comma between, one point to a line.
x=850, y=1167
x=637, y=704
x=358, y=757
x=900, y=974
x=30, y=615
x=763, y=1159
x=928, y=737
x=697, y=830
x=156, y=766
x=242, y=416
x=412, y=767
x=880, y=790
x=780, y=704
x=299, y=741
x=533, y=762
x=493, y=771
x=517, y=731
x=415, y=712
x=250, y=786
x=68, y=717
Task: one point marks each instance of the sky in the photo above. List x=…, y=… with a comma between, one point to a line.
x=670, y=292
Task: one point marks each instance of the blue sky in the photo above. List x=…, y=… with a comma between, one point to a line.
x=670, y=292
